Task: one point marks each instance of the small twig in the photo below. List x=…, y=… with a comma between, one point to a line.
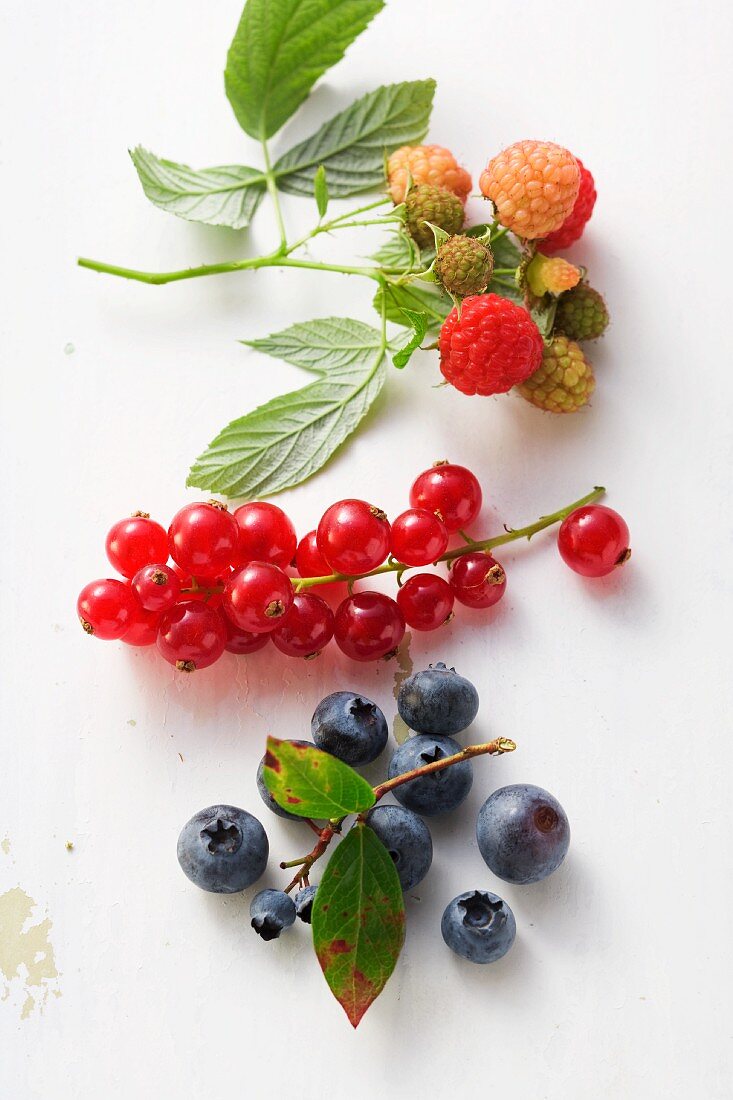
x=496, y=747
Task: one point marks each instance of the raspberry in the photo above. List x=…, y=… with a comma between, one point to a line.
x=492, y=346
x=553, y=275
x=426, y=164
x=564, y=382
x=572, y=228
x=582, y=314
x=426, y=203
x=464, y=266
x=533, y=185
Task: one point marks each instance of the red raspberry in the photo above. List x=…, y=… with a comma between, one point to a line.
x=492, y=346
x=572, y=228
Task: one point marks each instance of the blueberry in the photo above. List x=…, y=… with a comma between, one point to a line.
x=350, y=727
x=478, y=926
x=265, y=794
x=407, y=839
x=223, y=849
x=435, y=793
x=271, y=911
x=523, y=833
x=304, y=903
x=437, y=701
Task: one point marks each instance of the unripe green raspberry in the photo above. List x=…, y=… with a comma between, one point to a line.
x=582, y=313
x=464, y=266
x=426, y=203
x=564, y=382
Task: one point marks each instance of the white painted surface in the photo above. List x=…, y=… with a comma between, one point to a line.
x=619, y=984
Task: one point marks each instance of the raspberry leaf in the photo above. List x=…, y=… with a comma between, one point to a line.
x=310, y=783
x=358, y=921
x=280, y=49
x=228, y=195
x=320, y=190
x=285, y=441
x=398, y=254
x=424, y=298
x=419, y=322
x=352, y=144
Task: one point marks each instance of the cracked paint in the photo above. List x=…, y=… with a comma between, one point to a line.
x=27, y=959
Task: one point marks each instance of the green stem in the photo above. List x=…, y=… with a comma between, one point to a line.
x=276, y=259
x=487, y=544
x=505, y=271
x=275, y=196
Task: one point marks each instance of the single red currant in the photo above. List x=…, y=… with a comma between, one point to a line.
x=368, y=626
x=426, y=601
x=419, y=537
x=257, y=597
x=310, y=562
x=353, y=537
x=451, y=491
x=265, y=534
x=107, y=608
x=594, y=540
x=144, y=629
x=243, y=641
x=191, y=635
x=203, y=538
x=477, y=580
x=135, y=541
x=306, y=629
x=157, y=587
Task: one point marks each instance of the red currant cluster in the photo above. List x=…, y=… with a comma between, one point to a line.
x=228, y=588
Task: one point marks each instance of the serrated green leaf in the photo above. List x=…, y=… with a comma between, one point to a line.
x=320, y=190
x=310, y=783
x=419, y=322
x=358, y=921
x=280, y=49
x=285, y=441
x=399, y=253
x=227, y=195
x=506, y=253
x=352, y=145
x=421, y=297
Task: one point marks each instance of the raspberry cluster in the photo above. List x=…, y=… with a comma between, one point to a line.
x=238, y=580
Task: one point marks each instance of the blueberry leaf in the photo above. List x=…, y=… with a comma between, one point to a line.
x=358, y=921
x=352, y=144
x=311, y=783
x=285, y=441
x=280, y=49
x=419, y=322
x=228, y=195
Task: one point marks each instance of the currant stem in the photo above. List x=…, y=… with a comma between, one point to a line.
x=470, y=548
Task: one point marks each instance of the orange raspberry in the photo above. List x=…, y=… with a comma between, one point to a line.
x=564, y=382
x=553, y=275
x=533, y=185
x=426, y=164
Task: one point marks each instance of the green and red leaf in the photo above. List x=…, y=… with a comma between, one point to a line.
x=358, y=921
x=311, y=783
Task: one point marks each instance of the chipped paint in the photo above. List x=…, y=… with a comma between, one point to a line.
x=5, y=845
x=27, y=959
x=405, y=666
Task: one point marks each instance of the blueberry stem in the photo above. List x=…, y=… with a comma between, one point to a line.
x=497, y=747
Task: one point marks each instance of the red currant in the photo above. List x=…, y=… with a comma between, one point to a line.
x=257, y=597
x=243, y=641
x=426, y=601
x=310, y=562
x=594, y=540
x=133, y=542
x=107, y=608
x=419, y=537
x=265, y=534
x=451, y=491
x=368, y=626
x=306, y=629
x=144, y=629
x=203, y=538
x=157, y=587
x=200, y=587
x=477, y=580
x=191, y=635
x=353, y=537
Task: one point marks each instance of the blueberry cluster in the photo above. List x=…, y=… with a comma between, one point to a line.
x=522, y=831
